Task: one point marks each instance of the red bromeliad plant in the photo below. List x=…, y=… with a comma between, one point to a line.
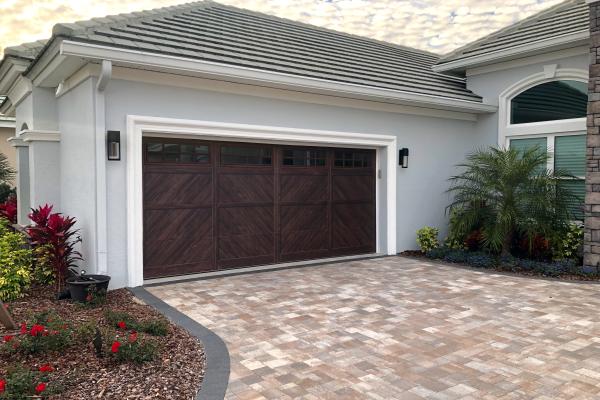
x=56, y=234
x=8, y=209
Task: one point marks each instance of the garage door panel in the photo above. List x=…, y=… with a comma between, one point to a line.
x=304, y=188
x=177, y=224
x=306, y=217
x=245, y=188
x=245, y=246
x=174, y=189
x=353, y=226
x=353, y=188
x=245, y=220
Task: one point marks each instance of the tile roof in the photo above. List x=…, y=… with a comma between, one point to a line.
x=213, y=32
x=566, y=18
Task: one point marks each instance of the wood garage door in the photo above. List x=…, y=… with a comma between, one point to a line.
x=217, y=205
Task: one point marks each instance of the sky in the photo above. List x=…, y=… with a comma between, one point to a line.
x=439, y=26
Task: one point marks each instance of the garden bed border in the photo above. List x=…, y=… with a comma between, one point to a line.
x=497, y=272
x=216, y=372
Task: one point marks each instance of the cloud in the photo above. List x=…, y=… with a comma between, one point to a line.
x=435, y=25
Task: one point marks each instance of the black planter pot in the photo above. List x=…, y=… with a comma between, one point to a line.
x=80, y=288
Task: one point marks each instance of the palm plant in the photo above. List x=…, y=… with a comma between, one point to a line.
x=505, y=192
x=7, y=174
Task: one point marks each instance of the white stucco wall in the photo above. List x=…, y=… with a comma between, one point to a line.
x=490, y=85
x=436, y=145
x=77, y=179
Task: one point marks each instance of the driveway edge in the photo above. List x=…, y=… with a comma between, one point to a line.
x=216, y=376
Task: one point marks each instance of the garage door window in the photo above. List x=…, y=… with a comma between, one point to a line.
x=242, y=155
x=179, y=153
x=304, y=158
x=352, y=159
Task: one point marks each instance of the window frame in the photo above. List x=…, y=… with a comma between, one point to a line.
x=550, y=73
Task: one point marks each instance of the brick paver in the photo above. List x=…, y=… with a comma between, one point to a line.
x=395, y=328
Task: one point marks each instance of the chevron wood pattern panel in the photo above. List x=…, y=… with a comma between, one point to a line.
x=208, y=216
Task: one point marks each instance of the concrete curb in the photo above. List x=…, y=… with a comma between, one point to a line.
x=216, y=376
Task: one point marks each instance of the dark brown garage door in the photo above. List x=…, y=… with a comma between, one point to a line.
x=217, y=205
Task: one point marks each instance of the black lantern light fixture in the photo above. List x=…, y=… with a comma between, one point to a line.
x=113, y=145
x=403, y=157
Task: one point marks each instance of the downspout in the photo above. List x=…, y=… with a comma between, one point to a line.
x=101, y=192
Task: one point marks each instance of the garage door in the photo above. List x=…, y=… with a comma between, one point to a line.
x=216, y=205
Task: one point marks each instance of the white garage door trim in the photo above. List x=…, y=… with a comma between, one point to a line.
x=139, y=126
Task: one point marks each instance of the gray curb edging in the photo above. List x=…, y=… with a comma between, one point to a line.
x=216, y=374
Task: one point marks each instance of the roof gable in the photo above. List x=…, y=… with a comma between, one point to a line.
x=562, y=21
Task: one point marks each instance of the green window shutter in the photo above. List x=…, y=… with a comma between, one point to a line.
x=526, y=144
x=522, y=145
x=569, y=154
x=577, y=189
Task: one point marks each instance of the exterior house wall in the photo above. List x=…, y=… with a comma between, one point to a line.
x=490, y=86
x=436, y=145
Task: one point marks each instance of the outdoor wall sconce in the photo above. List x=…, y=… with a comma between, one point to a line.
x=113, y=145
x=403, y=157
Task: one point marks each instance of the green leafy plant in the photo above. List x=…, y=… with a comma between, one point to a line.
x=15, y=263
x=22, y=383
x=133, y=347
x=123, y=320
x=568, y=245
x=6, y=191
x=507, y=192
x=427, y=238
x=46, y=332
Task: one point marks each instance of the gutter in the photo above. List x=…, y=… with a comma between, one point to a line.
x=524, y=50
x=213, y=70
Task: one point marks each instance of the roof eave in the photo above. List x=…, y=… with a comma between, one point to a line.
x=167, y=63
x=530, y=49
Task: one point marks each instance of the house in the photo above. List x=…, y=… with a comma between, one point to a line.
x=202, y=137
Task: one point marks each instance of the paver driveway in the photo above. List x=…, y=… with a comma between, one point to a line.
x=395, y=328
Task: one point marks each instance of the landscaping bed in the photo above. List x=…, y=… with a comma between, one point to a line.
x=564, y=269
x=67, y=350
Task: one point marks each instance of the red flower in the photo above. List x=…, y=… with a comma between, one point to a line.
x=2, y=385
x=89, y=297
x=122, y=325
x=115, y=346
x=46, y=368
x=23, y=328
x=40, y=387
x=36, y=330
x=8, y=338
x=133, y=337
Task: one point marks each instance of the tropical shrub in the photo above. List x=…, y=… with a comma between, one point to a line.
x=481, y=260
x=57, y=236
x=427, y=238
x=7, y=174
x=506, y=193
x=8, y=210
x=15, y=263
x=568, y=245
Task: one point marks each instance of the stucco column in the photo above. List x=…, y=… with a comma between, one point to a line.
x=44, y=167
x=591, y=247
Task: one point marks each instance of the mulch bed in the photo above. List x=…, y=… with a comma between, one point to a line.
x=176, y=373
x=533, y=274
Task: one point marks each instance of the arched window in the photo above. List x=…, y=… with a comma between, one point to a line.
x=550, y=101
